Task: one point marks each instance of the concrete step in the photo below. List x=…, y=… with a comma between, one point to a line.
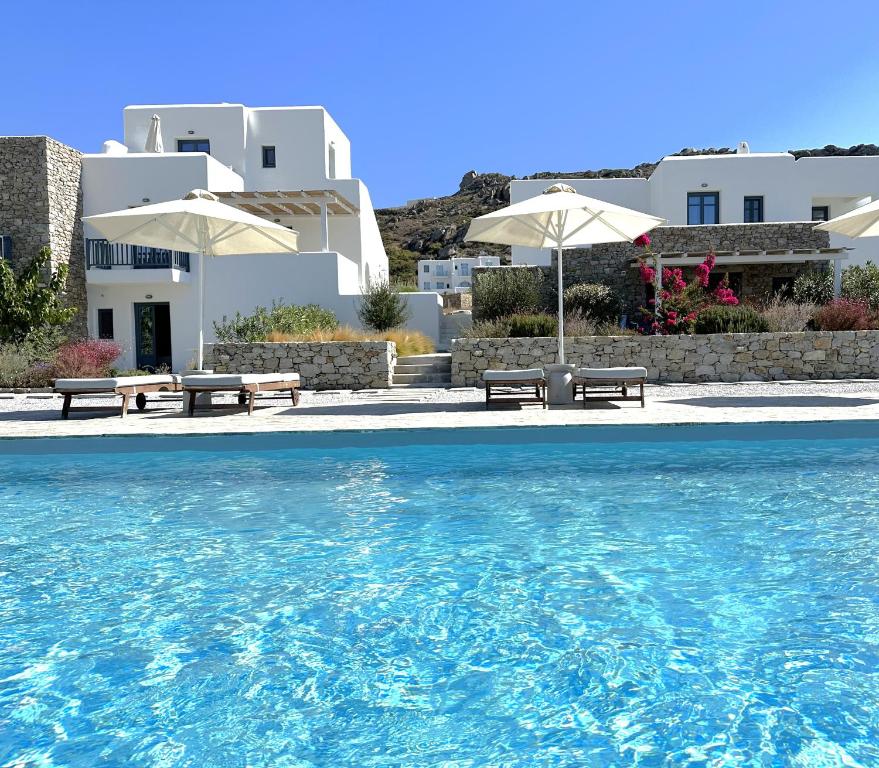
x=426, y=368
x=423, y=378
x=424, y=359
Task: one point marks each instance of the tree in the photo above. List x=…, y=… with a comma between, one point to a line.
x=382, y=308
x=31, y=305
x=402, y=264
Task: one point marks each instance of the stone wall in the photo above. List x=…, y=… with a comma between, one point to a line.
x=611, y=263
x=712, y=357
x=322, y=365
x=41, y=205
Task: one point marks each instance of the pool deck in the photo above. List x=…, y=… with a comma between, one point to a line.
x=25, y=416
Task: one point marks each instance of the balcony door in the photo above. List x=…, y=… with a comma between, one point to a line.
x=152, y=336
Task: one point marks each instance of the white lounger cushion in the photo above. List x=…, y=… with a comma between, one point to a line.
x=237, y=380
x=612, y=373
x=526, y=374
x=109, y=384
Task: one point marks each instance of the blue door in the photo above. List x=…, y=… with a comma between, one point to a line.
x=152, y=336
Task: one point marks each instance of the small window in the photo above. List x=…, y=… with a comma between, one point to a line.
x=105, y=323
x=703, y=208
x=268, y=157
x=753, y=210
x=6, y=247
x=194, y=145
x=820, y=213
x=426, y=268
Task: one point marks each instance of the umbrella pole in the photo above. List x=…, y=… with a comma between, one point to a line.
x=561, y=308
x=200, y=355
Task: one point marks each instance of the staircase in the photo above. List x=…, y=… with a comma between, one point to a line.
x=423, y=371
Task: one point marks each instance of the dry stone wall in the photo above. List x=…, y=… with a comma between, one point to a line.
x=41, y=205
x=712, y=357
x=322, y=365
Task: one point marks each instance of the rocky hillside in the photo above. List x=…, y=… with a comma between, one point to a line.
x=435, y=227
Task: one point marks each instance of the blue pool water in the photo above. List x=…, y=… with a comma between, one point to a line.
x=638, y=603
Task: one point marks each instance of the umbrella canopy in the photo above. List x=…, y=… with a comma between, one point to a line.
x=198, y=223
x=861, y=222
x=561, y=218
x=154, y=136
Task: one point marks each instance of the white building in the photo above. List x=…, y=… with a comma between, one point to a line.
x=291, y=165
x=735, y=188
x=451, y=275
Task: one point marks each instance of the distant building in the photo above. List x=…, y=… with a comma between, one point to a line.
x=451, y=275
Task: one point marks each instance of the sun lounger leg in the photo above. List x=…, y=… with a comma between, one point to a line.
x=487, y=395
x=124, y=411
x=642, y=394
x=294, y=395
x=250, y=402
x=65, y=408
x=192, y=396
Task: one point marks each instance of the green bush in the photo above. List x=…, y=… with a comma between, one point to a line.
x=382, y=308
x=504, y=291
x=730, y=319
x=29, y=363
x=813, y=287
x=282, y=318
x=595, y=301
x=402, y=264
x=31, y=304
x=861, y=283
x=532, y=326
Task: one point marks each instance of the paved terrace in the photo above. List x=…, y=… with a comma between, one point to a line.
x=39, y=415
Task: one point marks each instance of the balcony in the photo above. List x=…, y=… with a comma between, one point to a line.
x=111, y=263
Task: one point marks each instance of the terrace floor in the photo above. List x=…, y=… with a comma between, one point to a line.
x=39, y=415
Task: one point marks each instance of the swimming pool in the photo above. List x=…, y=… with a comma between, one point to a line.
x=485, y=599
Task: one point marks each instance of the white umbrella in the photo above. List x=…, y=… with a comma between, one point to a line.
x=198, y=223
x=861, y=222
x=560, y=218
x=154, y=136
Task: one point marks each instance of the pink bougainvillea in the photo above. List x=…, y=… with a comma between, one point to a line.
x=642, y=241
x=90, y=358
x=680, y=301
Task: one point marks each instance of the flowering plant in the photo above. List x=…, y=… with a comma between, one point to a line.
x=90, y=358
x=679, y=302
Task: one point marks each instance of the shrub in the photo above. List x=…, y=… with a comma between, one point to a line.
x=781, y=315
x=504, y=291
x=31, y=305
x=532, y=325
x=489, y=329
x=861, y=283
x=282, y=318
x=90, y=358
x=382, y=308
x=730, y=319
x=408, y=342
x=402, y=264
x=813, y=287
x=844, y=315
x=594, y=300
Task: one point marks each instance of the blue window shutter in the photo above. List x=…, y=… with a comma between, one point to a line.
x=6, y=247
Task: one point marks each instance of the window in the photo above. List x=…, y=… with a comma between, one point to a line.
x=703, y=208
x=820, y=213
x=465, y=270
x=6, y=247
x=426, y=268
x=105, y=323
x=268, y=157
x=753, y=210
x=783, y=287
x=194, y=145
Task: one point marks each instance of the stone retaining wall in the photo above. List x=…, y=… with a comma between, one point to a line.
x=322, y=365
x=712, y=357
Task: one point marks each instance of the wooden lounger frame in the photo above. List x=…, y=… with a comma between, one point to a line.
x=138, y=390
x=539, y=395
x=247, y=392
x=620, y=385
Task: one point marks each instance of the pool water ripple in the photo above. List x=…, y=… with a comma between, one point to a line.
x=700, y=604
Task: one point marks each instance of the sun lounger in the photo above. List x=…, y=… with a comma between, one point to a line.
x=247, y=385
x=517, y=380
x=125, y=386
x=618, y=379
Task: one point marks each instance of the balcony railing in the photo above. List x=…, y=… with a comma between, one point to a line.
x=99, y=254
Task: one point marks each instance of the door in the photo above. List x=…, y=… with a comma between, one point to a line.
x=152, y=336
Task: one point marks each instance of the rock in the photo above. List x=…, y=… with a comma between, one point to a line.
x=467, y=179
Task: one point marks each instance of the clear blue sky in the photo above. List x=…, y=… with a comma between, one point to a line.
x=429, y=90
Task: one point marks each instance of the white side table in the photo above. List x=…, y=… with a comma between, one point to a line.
x=560, y=385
